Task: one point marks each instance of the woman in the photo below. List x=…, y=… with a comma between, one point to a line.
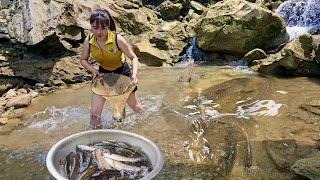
x=108, y=49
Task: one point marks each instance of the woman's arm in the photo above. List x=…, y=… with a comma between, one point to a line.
x=84, y=60
x=127, y=50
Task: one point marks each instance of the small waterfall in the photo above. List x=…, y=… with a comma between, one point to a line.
x=192, y=53
x=301, y=16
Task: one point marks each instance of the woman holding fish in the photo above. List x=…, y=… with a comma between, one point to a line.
x=108, y=49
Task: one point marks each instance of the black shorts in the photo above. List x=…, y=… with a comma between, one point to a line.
x=124, y=70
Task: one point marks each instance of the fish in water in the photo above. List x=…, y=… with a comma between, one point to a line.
x=231, y=149
x=186, y=77
x=226, y=88
x=248, y=151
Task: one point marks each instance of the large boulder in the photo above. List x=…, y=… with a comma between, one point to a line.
x=31, y=22
x=237, y=27
x=136, y=21
x=171, y=37
x=297, y=58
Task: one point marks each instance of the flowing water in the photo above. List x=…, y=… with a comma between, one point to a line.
x=228, y=131
x=301, y=16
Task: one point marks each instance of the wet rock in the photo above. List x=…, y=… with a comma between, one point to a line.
x=19, y=101
x=255, y=55
x=283, y=153
x=237, y=27
x=309, y=167
x=295, y=58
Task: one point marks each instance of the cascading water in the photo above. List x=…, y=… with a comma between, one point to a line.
x=192, y=53
x=301, y=16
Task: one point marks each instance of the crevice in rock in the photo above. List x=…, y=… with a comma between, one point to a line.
x=49, y=47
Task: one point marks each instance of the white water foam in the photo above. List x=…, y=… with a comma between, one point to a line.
x=258, y=108
x=296, y=31
x=53, y=118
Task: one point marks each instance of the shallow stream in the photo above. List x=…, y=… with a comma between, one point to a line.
x=200, y=138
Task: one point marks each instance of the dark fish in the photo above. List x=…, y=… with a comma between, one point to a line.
x=248, y=155
x=62, y=168
x=87, y=173
x=231, y=149
x=226, y=88
x=107, y=174
x=72, y=165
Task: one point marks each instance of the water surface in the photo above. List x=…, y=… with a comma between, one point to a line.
x=201, y=138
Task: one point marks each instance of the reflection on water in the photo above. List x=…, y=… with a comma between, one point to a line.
x=208, y=128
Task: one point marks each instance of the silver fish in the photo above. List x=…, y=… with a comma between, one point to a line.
x=121, y=166
x=117, y=157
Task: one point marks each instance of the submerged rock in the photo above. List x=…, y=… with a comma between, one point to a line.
x=309, y=167
x=282, y=152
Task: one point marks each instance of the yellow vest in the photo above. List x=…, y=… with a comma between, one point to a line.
x=110, y=58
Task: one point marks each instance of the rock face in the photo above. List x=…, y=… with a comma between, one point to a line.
x=298, y=57
x=30, y=22
x=237, y=26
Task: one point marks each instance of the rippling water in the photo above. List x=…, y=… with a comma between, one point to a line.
x=201, y=138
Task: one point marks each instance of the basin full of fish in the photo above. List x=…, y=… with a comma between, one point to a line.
x=105, y=160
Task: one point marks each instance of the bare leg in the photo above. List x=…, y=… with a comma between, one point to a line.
x=97, y=103
x=133, y=103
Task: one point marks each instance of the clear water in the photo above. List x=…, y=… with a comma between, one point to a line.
x=193, y=131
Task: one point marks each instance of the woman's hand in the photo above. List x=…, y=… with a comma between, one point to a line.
x=134, y=78
x=95, y=74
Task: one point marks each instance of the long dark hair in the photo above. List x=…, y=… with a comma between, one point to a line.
x=102, y=18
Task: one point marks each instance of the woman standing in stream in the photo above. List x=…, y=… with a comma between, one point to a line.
x=108, y=49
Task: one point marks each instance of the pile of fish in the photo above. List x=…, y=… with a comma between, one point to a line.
x=105, y=160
